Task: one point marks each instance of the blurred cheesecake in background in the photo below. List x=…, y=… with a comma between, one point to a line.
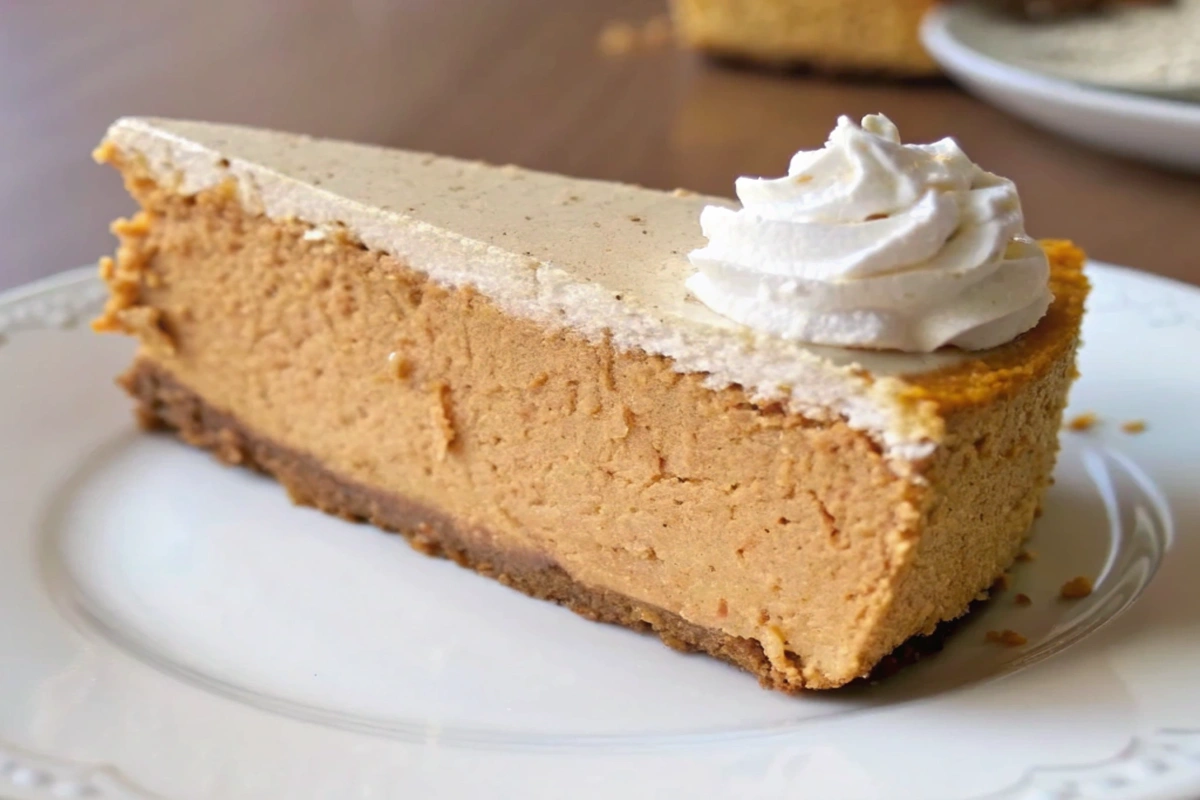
x=836, y=36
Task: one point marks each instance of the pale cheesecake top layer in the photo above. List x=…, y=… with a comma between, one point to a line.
x=604, y=259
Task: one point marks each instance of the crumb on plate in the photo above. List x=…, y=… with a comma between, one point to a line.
x=1026, y=555
x=1008, y=638
x=1077, y=587
x=1022, y=599
x=1083, y=422
x=1134, y=426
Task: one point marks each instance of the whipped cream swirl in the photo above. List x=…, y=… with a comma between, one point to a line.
x=874, y=244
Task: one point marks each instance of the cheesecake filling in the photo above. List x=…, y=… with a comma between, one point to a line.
x=872, y=243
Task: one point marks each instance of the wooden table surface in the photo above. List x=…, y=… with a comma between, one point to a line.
x=515, y=81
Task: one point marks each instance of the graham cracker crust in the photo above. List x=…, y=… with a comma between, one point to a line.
x=165, y=403
x=819, y=68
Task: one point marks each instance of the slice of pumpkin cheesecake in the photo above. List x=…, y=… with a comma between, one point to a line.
x=793, y=444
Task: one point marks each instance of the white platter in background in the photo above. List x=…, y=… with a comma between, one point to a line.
x=1159, y=130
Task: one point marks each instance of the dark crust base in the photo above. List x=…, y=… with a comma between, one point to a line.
x=833, y=70
x=165, y=403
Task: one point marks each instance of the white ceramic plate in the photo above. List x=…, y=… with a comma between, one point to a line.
x=172, y=628
x=1158, y=130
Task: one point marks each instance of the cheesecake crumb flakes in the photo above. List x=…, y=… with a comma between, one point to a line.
x=1026, y=555
x=1084, y=422
x=1002, y=583
x=619, y=38
x=1008, y=638
x=1134, y=426
x=1077, y=587
x=1022, y=599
